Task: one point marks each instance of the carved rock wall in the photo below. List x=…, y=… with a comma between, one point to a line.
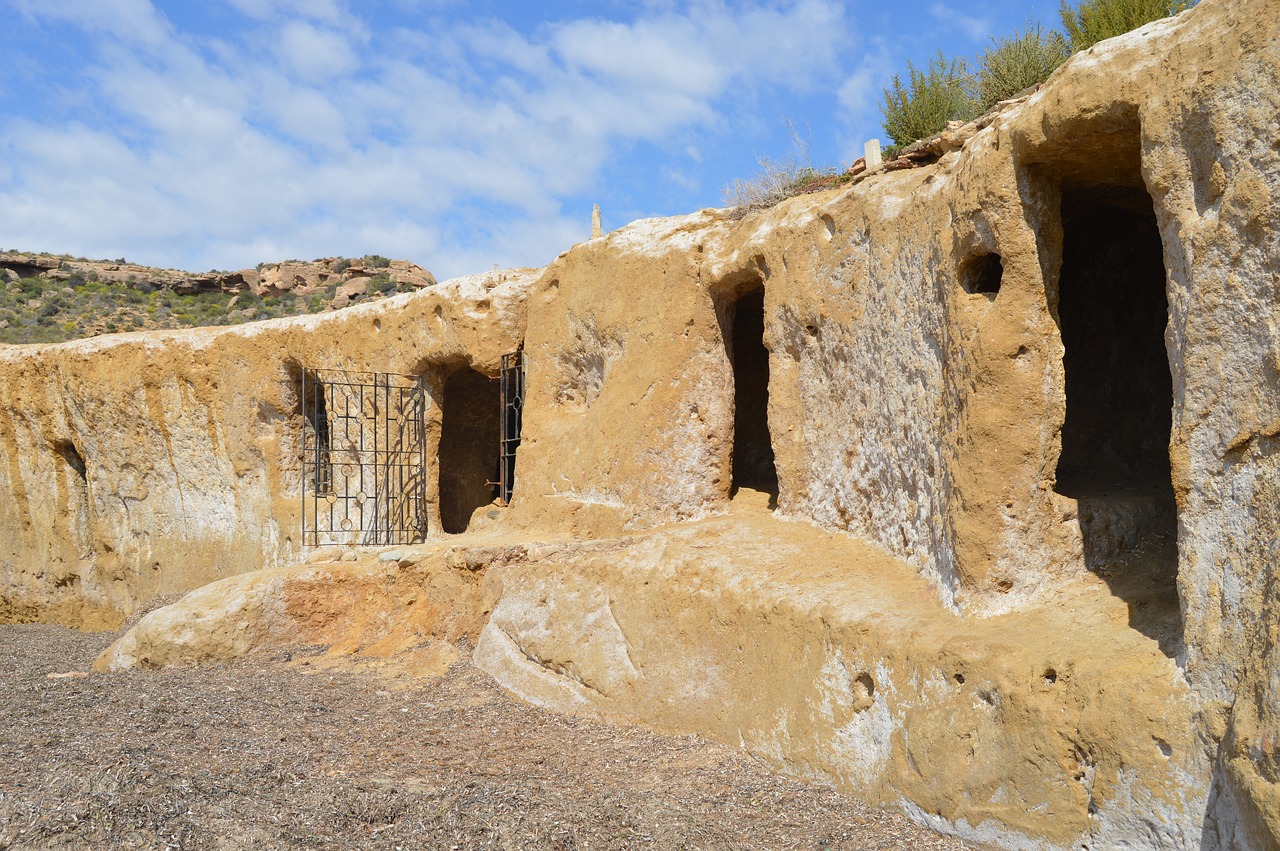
x=141, y=464
x=967, y=372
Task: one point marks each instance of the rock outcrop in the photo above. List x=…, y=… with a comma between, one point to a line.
x=956, y=486
x=268, y=279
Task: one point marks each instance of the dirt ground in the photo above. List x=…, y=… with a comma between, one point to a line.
x=273, y=752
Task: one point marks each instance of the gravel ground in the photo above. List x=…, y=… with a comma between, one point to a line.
x=271, y=752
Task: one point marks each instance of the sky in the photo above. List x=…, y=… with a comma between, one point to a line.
x=459, y=135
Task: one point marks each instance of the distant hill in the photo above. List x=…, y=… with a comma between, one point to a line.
x=46, y=298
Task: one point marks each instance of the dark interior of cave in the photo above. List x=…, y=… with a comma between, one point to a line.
x=469, y=438
x=753, y=464
x=1112, y=311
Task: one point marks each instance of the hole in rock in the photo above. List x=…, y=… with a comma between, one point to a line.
x=864, y=692
x=70, y=454
x=829, y=224
x=753, y=464
x=982, y=274
x=1112, y=311
x=469, y=438
x=77, y=506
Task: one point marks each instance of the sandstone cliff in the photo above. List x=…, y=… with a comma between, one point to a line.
x=145, y=463
x=957, y=487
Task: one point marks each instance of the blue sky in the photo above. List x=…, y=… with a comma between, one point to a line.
x=222, y=133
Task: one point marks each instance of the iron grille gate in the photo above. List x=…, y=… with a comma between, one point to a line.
x=514, y=367
x=364, y=466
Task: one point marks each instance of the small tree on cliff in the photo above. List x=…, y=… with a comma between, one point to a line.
x=928, y=99
x=1095, y=20
x=1018, y=62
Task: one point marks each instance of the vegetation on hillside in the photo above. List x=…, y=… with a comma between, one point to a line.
x=37, y=310
x=778, y=180
x=958, y=89
x=43, y=310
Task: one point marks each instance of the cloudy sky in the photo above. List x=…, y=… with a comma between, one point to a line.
x=459, y=135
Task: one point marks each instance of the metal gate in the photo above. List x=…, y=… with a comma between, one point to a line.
x=514, y=367
x=364, y=472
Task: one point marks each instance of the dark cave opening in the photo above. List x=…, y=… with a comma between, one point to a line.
x=469, y=441
x=753, y=461
x=1112, y=312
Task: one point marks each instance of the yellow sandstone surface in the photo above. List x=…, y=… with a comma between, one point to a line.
x=1013, y=416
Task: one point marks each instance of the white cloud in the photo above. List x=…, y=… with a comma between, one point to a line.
x=860, y=98
x=663, y=54
x=136, y=20
x=456, y=148
x=314, y=53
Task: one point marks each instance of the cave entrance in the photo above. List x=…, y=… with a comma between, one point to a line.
x=469, y=433
x=1112, y=312
x=753, y=462
x=363, y=458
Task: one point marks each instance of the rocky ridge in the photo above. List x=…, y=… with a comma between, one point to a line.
x=47, y=298
x=267, y=279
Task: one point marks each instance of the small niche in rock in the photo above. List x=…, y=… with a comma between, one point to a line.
x=982, y=274
x=68, y=452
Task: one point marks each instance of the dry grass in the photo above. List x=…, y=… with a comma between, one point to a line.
x=263, y=754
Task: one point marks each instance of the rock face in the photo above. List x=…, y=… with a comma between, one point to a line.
x=1017, y=409
x=146, y=463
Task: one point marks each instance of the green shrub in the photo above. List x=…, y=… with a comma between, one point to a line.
x=340, y=265
x=379, y=283
x=375, y=261
x=1095, y=20
x=928, y=100
x=1018, y=62
x=52, y=305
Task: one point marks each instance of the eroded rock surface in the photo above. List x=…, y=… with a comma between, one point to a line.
x=956, y=487
x=154, y=462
